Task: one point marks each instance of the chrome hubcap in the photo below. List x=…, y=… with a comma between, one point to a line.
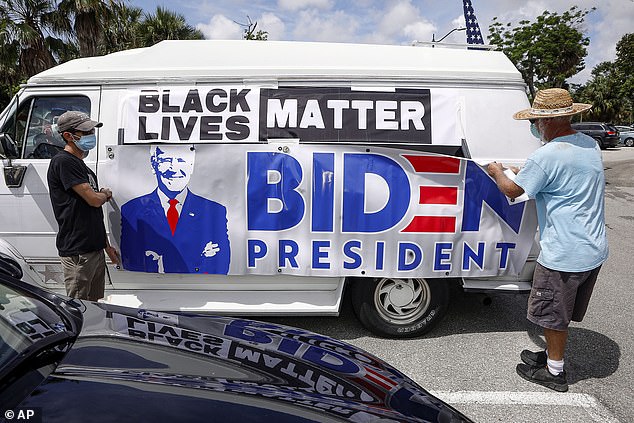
x=402, y=301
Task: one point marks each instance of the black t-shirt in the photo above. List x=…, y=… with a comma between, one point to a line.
x=81, y=228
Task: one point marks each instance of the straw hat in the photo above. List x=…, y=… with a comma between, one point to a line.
x=552, y=102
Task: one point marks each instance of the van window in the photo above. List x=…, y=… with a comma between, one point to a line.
x=31, y=129
x=42, y=139
x=14, y=129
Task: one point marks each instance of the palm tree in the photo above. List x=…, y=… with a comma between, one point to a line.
x=121, y=32
x=25, y=24
x=89, y=17
x=602, y=91
x=166, y=25
x=37, y=34
x=9, y=54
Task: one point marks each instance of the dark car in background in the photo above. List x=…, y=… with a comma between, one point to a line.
x=605, y=134
x=65, y=360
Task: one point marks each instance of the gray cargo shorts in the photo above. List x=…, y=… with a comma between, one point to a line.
x=557, y=298
x=85, y=275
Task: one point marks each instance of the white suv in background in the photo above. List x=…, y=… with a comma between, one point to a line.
x=626, y=134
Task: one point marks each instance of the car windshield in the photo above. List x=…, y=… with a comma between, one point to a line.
x=25, y=323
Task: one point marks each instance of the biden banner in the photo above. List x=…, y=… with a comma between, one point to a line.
x=285, y=207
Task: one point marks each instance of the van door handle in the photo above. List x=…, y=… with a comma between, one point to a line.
x=14, y=175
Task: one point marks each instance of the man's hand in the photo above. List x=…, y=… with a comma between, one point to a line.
x=495, y=168
x=107, y=192
x=210, y=249
x=113, y=254
x=507, y=186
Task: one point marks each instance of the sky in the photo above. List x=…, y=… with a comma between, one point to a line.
x=394, y=21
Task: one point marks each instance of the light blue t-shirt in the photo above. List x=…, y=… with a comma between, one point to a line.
x=565, y=177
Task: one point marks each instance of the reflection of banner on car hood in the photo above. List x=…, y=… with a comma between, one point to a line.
x=290, y=366
x=315, y=210
x=295, y=363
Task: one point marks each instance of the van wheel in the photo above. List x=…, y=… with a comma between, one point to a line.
x=400, y=308
x=629, y=142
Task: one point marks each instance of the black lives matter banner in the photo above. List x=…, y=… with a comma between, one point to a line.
x=251, y=114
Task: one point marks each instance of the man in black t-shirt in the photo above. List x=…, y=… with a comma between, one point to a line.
x=77, y=201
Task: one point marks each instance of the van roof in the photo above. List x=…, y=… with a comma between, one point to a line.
x=207, y=60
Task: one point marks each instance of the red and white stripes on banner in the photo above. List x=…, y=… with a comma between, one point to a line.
x=434, y=195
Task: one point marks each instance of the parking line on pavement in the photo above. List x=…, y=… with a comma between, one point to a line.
x=589, y=403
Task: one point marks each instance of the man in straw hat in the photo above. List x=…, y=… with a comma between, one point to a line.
x=565, y=177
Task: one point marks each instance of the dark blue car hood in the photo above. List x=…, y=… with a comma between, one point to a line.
x=131, y=365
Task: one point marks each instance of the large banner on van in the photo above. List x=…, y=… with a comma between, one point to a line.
x=253, y=114
x=335, y=210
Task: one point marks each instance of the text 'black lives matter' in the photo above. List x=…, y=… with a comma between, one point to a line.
x=338, y=114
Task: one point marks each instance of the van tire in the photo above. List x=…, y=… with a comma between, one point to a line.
x=400, y=308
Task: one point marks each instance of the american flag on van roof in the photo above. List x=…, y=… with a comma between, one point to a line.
x=474, y=36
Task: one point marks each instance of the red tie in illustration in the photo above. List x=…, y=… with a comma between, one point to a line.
x=172, y=215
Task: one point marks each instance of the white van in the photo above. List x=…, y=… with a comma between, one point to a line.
x=315, y=167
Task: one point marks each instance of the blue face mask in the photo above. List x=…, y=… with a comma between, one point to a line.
x=86, y=142
x=535, y=132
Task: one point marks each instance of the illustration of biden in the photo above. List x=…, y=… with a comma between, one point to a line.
x=171, y=229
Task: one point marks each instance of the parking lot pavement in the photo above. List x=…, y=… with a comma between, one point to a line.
x=618, y=154
x=528, y=406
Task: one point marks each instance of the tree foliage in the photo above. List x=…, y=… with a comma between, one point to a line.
x=88, y=19
x=123, y=32
x=547, y=51
x=26, y=27
x=38, y=34
x=252, y=33
x=610, y=88
x=552, y=49
x=165, y=25
x=625, y=66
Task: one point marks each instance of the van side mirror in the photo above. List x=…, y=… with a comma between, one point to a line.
x=8, y=146
x=13, y=175
x=10, y=267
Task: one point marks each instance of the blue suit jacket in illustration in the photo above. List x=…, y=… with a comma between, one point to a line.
x=144, y=228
